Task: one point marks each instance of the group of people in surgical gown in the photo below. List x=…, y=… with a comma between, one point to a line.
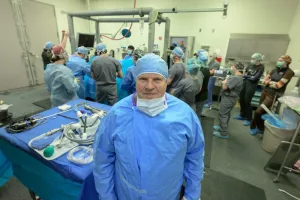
x=190, y=82
x=78, y=81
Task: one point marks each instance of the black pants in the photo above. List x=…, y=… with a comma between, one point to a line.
x=266, y=98
x=246, y=96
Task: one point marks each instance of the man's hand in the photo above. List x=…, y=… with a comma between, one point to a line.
x=267, y=82
x=224, y=82
x=76, y=80
x=66, y=34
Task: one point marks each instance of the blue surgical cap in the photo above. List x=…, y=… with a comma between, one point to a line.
x=101, y=47
x=257, y=56
x=193, y=68
x=178, y=51
x=83, y=50
x=48, y=45
x=151, y=63
x=192, y=61
x=202, y=55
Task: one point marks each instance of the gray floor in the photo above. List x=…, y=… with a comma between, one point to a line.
x=240, y=156
x=23, y=98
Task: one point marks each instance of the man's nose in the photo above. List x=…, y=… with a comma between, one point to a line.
x=150, y=85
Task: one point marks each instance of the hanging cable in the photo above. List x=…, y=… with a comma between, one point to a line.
x=134, y=6
x=154, y=19
x=25, y=124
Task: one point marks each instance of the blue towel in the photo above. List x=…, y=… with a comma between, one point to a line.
x=45, y=141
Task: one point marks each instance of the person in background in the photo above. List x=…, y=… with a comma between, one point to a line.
x=195, y=56
x=275, y=84
x=177, y=71
x=129, y=79
x=156, y=52
x=251, y=78
x=232, y=87
x=169, y=59
x=214, y=63
x=149, y=142
x=104, y=71
x=59, y=79
x=89, y=83
x=201, y=97
x=47, y=51
x=130, y=52
x=47, y=54
x=188, y=88
x=80, y=68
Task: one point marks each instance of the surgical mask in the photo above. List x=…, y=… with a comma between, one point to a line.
x=280, y=64
x=172, y=56
x=152, y=107
x=253, y=62
x=129, y=52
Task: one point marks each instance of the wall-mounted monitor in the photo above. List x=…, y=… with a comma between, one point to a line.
x=85, y=39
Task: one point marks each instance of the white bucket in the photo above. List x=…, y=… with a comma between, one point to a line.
x=273, y=136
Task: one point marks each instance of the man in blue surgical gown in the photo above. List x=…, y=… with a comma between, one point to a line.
x=80, y=68
x=149, y=143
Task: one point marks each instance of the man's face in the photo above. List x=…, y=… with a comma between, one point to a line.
x=151, y=86
x=130, y=51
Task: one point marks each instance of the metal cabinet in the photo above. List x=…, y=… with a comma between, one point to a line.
x=272, y=46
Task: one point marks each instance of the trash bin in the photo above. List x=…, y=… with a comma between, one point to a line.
x=274, y=135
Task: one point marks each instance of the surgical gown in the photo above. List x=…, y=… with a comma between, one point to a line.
x=141, y=157
x=59, y=81
x=126, y=63
x=128, y=83
x=79, y=68
x=90, y=84
x=128, y=57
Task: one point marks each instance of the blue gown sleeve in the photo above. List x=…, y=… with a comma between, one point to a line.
x=127, y=81
x=87, y=69
x=69, y=83
x=104, y=159
x=194, y=165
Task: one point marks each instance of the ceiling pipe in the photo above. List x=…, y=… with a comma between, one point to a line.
x=121, y=20
x=116, y=12
x=128, y=20
x=175, y=10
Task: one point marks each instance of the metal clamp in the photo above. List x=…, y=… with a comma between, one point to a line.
x=141, y=12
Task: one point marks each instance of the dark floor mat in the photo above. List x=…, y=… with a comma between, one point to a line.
x=46, y=104
x=217, y=186
x=207, y=127
x=14, y=190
